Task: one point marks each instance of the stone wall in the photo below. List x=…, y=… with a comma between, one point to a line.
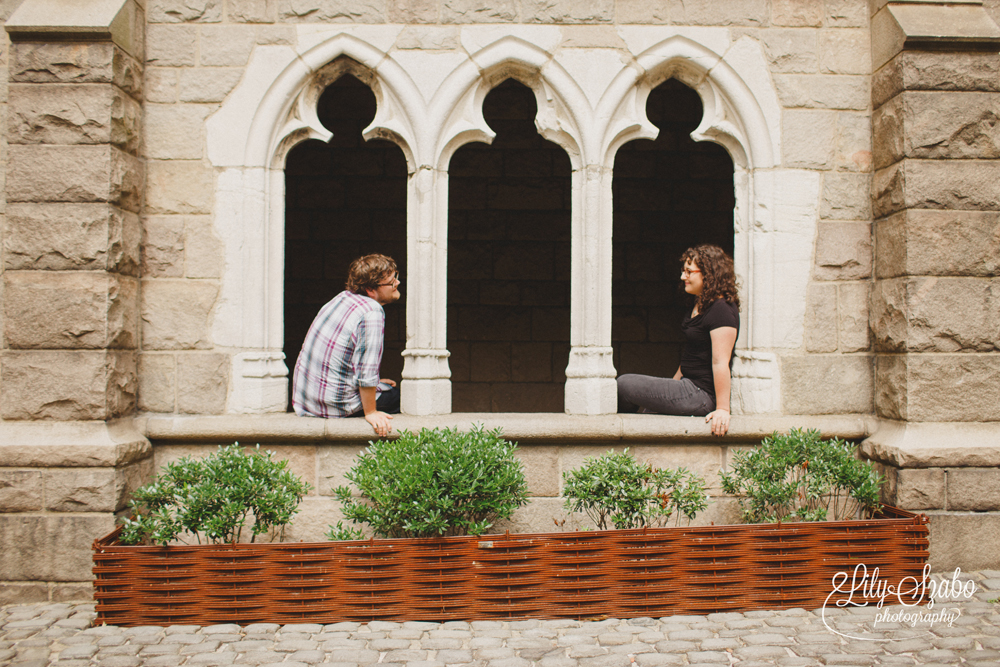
x=818, y=58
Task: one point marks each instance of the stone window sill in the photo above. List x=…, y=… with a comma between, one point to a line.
x=523, y=427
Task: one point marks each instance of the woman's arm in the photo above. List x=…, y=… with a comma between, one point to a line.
x=723, y=340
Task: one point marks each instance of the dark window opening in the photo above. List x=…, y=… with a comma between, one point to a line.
x=669, y=194
x=343, y=199
x=509, y=263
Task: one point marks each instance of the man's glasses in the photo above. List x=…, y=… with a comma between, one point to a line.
x=395, y=277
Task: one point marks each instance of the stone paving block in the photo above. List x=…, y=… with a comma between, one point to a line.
x=585, y=651
x=611, y=660
x=659, y=659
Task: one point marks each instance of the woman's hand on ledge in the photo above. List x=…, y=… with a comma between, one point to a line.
x=719, y=419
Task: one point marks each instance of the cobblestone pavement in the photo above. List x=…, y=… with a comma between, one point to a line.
x=964, y=631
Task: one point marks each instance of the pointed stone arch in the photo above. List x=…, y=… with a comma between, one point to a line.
x=282, y=88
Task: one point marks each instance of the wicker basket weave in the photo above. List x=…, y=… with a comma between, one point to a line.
x=618, y=573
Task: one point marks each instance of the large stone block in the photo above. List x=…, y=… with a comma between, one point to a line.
x=414, y=11
x=953, y=387
x=821, y=318
x=172, y=45
x=941, y=243
x=202, y=383
x=846, y=14
x=845, y=52
x=854, y=142
x=789, y=51
x=567, y=11
x=846, y=196
x=826, y=384
x=67, y=384
x=797, y=13
x=176, y=131
x=163, y=246
x=161, y=84
x=62, y=62
x=50, y=547
x=937, y=184
x=70, y=310
x=227, y=46
x=891, y=386
x=179, y=186
x=965, y=540
x=822, y=91
x=852, y=316
x=207, y=84
x=808, y=138
x=843, y=251
x=20, y=490
x=937, y=125
x=64, y=237
x=81, y=490
x=642, y=11
x=474, y=11
x=332, y=11
x=930, y=314
x=202, y=248
x=189, y=11
x=176, y=314
x=74, y=174
x=157, y=382
x=975, y=489
x=252, y=11
x=936, y=70
x=709, y=12
x=73, y=114
x=920, y=489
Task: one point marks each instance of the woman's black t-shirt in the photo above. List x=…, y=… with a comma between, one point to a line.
x=696, y=357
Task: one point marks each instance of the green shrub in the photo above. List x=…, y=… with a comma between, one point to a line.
x=799, y=477
x=214, y=496
x=631, y=494
x=437, y=482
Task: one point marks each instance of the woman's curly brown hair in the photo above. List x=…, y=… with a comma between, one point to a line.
x=717, y=272
x=367, y=272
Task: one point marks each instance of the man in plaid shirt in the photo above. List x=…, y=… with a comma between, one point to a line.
x=337, y=372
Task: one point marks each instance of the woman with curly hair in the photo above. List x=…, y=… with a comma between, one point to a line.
x=701, y=384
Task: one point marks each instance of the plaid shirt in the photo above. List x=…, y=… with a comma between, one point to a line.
x=341, y=352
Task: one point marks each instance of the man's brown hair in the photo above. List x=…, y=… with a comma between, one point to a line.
x=366, y=273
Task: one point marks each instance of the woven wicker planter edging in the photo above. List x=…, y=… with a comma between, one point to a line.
x=618, y=573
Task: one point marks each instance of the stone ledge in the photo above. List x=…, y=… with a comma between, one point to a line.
x=935, y=444
x=529, y=427
x=75, y=444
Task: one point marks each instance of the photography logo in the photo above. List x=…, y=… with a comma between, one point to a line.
x=905, y=597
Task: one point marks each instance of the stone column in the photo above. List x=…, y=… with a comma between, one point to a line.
x=68, y=459
x=426, y=386
x=590, y=375
x=935, y=304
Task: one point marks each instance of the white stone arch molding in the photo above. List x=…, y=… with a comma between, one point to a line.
x=742, y=114
x=456, y=111
x=272, y=110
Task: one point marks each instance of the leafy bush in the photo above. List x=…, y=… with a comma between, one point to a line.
x=631, y=494
x=214, y=496
x=801, y=477
x=437, y=482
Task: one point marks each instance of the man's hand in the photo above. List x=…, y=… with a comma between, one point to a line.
x=380, y=421
x=391, y=383
x=719, y=420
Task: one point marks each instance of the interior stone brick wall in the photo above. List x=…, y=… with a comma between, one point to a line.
x=669, y=195
x=818, y=54
x=344, y=199
x=508, y=264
